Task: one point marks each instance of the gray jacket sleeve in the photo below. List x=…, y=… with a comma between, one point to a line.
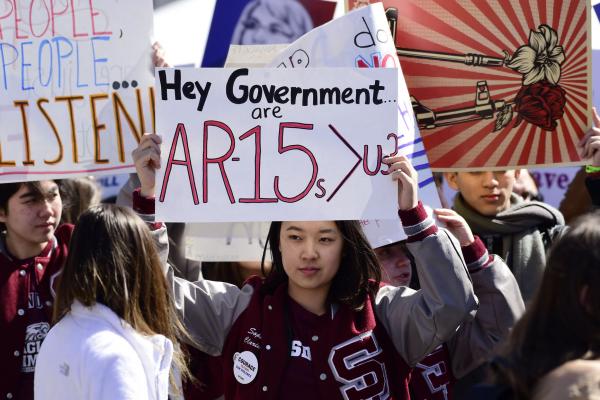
x=208, y=309
x=500, y=306
x=419, y=321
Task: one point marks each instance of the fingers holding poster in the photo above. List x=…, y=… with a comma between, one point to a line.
x=76, y=86
x=241, y=144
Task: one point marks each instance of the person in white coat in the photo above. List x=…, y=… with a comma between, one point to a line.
x=116, y=328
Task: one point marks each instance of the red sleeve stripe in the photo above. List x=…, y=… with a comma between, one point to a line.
x=476, y=255
x=416, y=223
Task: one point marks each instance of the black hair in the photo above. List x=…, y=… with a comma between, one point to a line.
x=350, y=286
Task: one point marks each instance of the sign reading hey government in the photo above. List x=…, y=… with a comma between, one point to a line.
x=270, y=144
x=75, y=86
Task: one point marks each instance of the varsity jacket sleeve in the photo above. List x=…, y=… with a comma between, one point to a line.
x=208, y=309
x=144, y=207
x=500, y=306
x=419, y=321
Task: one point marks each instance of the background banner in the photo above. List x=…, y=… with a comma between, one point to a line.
x=75, y=86
x=496, y=84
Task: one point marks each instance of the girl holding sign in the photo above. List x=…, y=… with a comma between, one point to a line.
x=320, y=325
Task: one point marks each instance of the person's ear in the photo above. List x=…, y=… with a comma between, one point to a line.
x=2, y=215
x=451, y=178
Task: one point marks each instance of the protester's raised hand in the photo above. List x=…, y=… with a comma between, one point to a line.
x=402, y=170
x=456, y=225
x=158, y=56
x=589, y=145
x=147, y=159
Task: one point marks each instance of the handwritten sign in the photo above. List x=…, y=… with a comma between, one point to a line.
x=244, y=22
x=75, y=86
x=270, y=144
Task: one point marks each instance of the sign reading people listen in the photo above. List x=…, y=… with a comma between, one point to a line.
x=273, y=144
x=75, y=86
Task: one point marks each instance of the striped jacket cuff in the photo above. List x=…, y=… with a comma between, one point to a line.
x=476, y=256
x=416, y=223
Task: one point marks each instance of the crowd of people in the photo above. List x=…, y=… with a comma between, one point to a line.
x=495, y=298
x=100, y=311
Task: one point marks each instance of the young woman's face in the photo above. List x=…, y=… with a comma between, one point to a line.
x=31, y=221
x=311, y=252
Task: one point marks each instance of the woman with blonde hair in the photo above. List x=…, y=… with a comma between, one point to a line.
x=116, y=329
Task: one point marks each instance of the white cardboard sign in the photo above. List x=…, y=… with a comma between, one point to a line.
x=270, y=144
x=75, y=86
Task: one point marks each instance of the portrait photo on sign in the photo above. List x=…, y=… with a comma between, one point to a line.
x=261, y=22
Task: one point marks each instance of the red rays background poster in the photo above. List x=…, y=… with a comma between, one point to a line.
x=496, y=84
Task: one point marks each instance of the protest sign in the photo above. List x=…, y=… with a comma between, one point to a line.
x=496, y=84
x=269, y=144
x=228, y=241
x=362, y=39
x=75, y=84
x=252, y=56
x=246, y=22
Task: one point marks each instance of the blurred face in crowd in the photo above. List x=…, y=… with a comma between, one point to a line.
x=487, y=192
x=525, y=186
x=395, y=265
x=31, y=218
x=311, y=253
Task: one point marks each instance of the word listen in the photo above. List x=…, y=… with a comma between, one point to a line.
x=123, y=117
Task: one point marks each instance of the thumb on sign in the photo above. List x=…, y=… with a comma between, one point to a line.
x=402, y=171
